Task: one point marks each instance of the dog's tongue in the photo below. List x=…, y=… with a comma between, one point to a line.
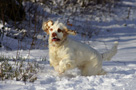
x=55, y=39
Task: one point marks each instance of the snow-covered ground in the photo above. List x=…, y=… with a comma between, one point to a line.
x=121, y=69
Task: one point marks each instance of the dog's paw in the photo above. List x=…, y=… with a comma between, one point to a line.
x=61, y=70
x=65, y=65
x=56, y=68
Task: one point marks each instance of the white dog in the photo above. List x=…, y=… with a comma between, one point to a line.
x=65, y=53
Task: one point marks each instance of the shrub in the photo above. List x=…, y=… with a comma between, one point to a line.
x=20, y=70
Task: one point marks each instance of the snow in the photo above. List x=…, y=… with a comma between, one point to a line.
x=121, y=69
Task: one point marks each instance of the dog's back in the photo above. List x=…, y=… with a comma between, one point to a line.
x=80, y=51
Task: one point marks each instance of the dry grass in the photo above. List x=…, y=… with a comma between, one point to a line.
x=19, y=70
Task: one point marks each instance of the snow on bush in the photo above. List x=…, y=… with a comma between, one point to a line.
x=18, y=69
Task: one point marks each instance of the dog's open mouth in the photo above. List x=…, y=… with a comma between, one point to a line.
x=55, y=39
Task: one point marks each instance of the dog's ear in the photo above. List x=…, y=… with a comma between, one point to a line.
x=47, y=25
x=71, y=32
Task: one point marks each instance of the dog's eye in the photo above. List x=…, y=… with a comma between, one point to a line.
x=59, y=30
x=51, y=29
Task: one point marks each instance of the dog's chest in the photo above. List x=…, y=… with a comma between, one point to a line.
x=56, y=54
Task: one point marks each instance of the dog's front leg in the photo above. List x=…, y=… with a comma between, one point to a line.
x=56, y=68
x=55, y=64
x=65, y=65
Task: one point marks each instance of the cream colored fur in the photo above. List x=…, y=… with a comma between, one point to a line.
x=70, y=54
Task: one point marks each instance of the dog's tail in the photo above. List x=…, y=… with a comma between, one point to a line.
x=106, y=56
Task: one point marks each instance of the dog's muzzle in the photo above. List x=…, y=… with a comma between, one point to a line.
x=55, y=39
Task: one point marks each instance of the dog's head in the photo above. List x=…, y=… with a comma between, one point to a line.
x=57, y=31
